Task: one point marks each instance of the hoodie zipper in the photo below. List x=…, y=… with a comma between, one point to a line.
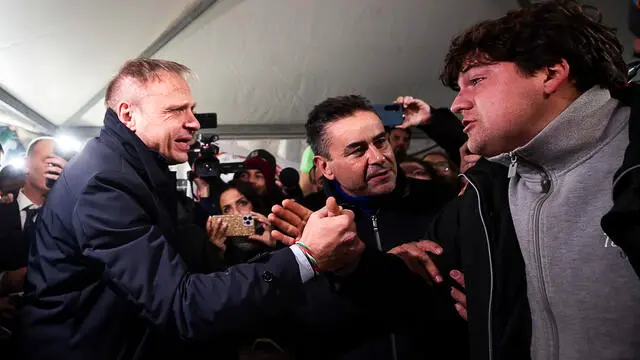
x=545, y=184
x=376, y=233
x=486, y=236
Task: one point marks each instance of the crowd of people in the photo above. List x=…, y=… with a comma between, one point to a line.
x=517, y=241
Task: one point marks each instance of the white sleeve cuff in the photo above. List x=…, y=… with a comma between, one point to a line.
x=306, y=271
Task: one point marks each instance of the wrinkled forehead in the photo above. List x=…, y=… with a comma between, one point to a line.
x=361, y=126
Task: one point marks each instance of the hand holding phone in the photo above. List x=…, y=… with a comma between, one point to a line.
x=416, y=111
x=237, y=225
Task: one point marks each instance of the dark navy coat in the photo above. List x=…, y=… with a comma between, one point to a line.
x=104, y=281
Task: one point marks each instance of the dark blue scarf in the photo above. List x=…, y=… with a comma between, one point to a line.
x=364, y=203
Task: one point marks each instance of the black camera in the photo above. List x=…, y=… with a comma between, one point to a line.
x=203, y=158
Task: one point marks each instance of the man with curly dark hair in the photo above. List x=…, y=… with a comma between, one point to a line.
x=534, y=91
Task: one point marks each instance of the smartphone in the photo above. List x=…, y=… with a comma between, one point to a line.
x=391, y=115
x=238, y=225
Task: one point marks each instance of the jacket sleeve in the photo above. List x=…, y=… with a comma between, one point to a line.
x=446, y=130
x=117, y=234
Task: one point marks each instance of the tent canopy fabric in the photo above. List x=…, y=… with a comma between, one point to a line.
x=258, y=64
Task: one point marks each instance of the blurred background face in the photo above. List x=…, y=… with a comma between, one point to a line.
x=400, y=141
x=164, y=119
x=440, y=163
x=232, y=202
x=37, y=166
x=414, y=170
x=256, y=179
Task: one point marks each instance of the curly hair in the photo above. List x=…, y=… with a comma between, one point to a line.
x=541, y=36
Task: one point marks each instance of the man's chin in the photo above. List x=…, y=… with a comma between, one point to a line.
x=384, y=188
x=176, y=158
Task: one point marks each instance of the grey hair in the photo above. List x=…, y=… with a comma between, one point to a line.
x=141, y=70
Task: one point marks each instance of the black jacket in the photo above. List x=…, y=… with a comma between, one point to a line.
x=400, y=217
x=621, y=223
x=104, y=282
x=14, y=246
x=477, y=234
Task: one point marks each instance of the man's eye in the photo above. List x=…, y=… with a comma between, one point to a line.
x=475, y=81
x=381, y=142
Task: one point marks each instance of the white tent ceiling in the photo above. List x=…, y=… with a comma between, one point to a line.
x=261, y=65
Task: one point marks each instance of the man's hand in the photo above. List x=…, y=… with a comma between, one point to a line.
x=457, y=295
x=330, y=234
x=415, y=256
x=55, y=165
x=416, y=111
x=291, y=219
x=467, y=158
x=13, y=281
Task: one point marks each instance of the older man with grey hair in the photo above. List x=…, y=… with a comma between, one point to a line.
x=104, y=279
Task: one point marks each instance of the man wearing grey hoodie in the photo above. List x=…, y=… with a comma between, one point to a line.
x=535, y=94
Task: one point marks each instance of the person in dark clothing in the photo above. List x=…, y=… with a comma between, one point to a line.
x=620, y=223
x=261, y=174
x=529, y=220
x=353, y=153
x=104, y=280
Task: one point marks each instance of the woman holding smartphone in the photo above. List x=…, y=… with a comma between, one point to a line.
x=239, y=198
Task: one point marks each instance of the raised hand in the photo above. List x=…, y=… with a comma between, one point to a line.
x=290, y=219
x=416, y=111
x=330, y=234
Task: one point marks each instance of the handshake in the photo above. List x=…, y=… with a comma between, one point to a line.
x=329, y=234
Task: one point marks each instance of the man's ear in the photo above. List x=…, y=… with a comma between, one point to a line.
x=322, y=165
x=556, y=75
x=124, y=111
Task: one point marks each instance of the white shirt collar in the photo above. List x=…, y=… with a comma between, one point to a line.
x=24, y=202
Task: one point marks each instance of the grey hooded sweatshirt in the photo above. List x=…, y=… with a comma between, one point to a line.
x=584, y=295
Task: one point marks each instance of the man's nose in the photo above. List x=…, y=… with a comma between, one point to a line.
x=460, y=103
x=375, y=155
x=192, y=123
